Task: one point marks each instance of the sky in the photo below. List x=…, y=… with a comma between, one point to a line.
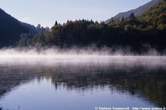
x=46, y=12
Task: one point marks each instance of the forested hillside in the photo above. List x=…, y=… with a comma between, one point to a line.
x=156, y=16
x=136, y=33
x=138, y=11
x=11, y=29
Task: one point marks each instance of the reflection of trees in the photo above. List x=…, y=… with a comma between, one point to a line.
x=11, y=77
x=148, y=83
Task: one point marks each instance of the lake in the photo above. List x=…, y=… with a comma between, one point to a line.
x=82, y=83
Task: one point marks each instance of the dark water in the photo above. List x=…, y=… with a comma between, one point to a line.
x=81, y=87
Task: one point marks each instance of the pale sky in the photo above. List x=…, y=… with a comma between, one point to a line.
x=45, y=12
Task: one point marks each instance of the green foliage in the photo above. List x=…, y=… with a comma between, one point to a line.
x=156, y=16
x=134, y=32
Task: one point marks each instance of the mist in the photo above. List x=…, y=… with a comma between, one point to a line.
x=54, y=56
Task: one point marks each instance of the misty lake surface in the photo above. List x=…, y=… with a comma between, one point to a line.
x=83, y=85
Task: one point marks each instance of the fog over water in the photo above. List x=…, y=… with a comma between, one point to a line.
x=53, y=56
x=83, y=78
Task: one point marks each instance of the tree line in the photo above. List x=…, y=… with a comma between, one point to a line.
x=137, y=33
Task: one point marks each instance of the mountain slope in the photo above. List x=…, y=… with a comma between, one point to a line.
x=138, y=11
x=156, y=16
x=138, y=34
x=11, y=29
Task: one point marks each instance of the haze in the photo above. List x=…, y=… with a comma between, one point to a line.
x=51, y=57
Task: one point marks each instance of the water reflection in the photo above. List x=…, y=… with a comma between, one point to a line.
x=81, y=87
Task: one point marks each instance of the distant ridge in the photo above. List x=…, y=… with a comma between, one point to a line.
x=11, y=29
x=138, y=11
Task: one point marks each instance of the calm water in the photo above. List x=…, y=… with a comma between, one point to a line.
x=82, y=86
